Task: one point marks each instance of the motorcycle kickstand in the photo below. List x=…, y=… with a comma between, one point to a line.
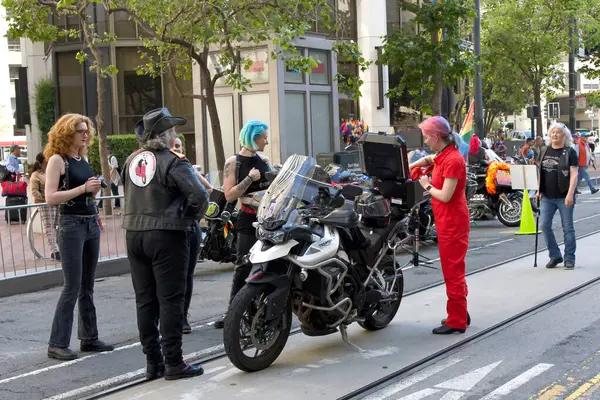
x=344, y=332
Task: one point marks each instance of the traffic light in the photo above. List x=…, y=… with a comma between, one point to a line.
x=533, y=112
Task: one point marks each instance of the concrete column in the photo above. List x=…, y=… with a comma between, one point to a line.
x=371, y=29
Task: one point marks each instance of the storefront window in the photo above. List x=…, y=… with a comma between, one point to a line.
x=137, y=94
x=320, y=74
x=259, y=71
x=295, y=124
x=70, y=83
x=292, y=75
x=124, y=28
x=214, y=66
x=320, y=119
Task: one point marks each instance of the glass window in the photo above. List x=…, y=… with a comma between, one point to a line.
x=293, y=76
x=295, y=124
x=137, y=94
x=124, y=28
x=320, y=74
x=73, y=23
x=70, y=83
x=320, y=122
x=259, y=71
x=346, y=19
x=178, y=105
x=256, y=106
x=215, y=67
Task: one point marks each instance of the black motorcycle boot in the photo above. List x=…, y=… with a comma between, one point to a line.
x=95, y=345
x=183, y=370
x=63, y=354
x=553, y=263
x=155, y=371
x=468, y=319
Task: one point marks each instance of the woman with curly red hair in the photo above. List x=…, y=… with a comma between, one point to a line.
x=71, y=185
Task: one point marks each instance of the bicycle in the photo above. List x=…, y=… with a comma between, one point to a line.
x=31, y=236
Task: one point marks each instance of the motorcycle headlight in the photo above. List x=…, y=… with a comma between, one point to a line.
x=274, y=237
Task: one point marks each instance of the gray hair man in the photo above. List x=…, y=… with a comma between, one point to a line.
x=558, y=170
x=163, y=201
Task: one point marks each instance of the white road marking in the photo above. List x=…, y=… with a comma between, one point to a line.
x=453, y=396
x=213, y=370
x=224, y=375
x=468, y=381
x=586, y=218
x=76, y=361
x=386, y=351
x=413, y=379
x=518, y=381
x=300, y=370
x=123, y=377
x=313, y=366
x=421, y=394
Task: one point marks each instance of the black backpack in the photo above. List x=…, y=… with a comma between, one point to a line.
x=5, y=174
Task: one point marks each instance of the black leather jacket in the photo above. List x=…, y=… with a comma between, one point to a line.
x=564, y=177
x=162, y=192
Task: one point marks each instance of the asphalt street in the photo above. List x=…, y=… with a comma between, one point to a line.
x=552, y=354
x=26, y=372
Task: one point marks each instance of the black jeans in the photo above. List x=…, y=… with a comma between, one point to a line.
x=159, y=261
x=245, y=241
x=79, y=244
x=194, y=238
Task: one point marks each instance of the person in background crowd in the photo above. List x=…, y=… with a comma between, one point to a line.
x=448, y=201
x=195, y=239
x=558, y=170
x=537, y=147
x=584, y=156
x=70, y=182
x=115, y=177
x=37, y=180
x=527, y=151
x=163, y=201
x=592, y=144
x=416, y=155
x=499, y=147
x=244, y=175
x=477, y=155
x=12, y=163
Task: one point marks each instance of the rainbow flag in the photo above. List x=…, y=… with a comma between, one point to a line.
x=467, y=127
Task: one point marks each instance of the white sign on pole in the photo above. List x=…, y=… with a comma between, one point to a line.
x=524, y=177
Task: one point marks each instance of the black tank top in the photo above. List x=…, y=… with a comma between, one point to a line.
x=246, y=165
x=79, y=172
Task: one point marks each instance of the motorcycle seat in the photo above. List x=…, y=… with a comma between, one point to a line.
x=341, y=218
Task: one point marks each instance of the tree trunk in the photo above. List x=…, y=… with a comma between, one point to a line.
x=436, y=101
x=102, y=142
x=215, y=123
x=537, y=99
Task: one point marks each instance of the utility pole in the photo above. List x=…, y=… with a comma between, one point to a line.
x=479, y=130
x=572, y=118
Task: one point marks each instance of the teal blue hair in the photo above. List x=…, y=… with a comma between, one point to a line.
x=251, y=131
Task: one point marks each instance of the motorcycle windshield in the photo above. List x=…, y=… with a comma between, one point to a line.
x=293, y=188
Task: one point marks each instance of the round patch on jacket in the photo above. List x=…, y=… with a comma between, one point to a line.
x=142, y=169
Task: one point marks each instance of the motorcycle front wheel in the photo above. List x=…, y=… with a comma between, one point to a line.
x=511, y=215
x=251, y=342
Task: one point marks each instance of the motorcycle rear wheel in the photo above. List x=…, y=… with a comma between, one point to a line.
x=265, y=340
x=386, y=311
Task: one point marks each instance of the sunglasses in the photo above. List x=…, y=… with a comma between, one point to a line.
x=82, y=131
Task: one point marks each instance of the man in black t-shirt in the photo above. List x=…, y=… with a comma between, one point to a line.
x=558, y=166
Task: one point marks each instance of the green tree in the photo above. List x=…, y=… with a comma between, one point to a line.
x=32, y=19
x=427, y=61
x=45, y=101
x=187, y=31
x=533, y=36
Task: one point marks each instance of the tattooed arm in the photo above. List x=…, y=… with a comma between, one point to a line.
x=233, y=191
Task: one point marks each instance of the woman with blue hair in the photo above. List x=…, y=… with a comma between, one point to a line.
x=244, y=174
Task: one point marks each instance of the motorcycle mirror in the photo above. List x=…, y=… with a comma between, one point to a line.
x=351, y=191
x=337, y=202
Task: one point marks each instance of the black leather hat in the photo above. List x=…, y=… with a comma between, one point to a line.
x=155, y=122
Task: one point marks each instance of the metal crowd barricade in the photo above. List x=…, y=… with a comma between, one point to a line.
x=24, y=248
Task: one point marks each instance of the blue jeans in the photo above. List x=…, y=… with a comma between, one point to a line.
x=584, y=174
x=548, y=208
x=79, y=243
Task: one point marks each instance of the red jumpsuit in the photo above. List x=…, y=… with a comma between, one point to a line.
x=452, y=223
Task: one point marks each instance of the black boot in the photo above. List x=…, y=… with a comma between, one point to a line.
x=59, y=353
x=446, y=330
x=183, y=370
x=468, y=319
x=155, y=371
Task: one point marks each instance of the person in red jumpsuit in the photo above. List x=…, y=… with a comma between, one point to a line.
x=447, y=189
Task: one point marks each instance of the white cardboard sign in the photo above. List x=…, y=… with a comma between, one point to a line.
x=524, y=177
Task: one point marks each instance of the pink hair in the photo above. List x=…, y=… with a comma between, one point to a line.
x=436, y=126
x=474, y=145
